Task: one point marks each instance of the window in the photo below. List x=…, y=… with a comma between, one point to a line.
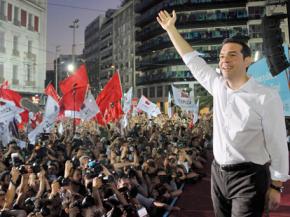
x=145, y=92
x=29, y=72
x=23, y=18
x=29, y=47
x=139, y=93
x=16, y=16
x=255, y=31
x=159, y=91
x=30, y=17
x=9, y=12
x=1, y=71
x=15, y=43
x=152, y=92
x=127, y=78
x=256, y=12
x=36, y=23
x=15, y=75
x=2, y=41
x=2, y=10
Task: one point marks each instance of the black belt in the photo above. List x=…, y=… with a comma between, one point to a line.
x=238, y=166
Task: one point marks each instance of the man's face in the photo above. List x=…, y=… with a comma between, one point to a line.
x=232, y=62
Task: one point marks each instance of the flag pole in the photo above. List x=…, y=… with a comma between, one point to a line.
x=74, y=99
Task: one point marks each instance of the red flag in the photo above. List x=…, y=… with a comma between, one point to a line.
x=73, y=100
x=108, y=101
x=78, y=80
x=112, y=92
x=15, y=97
x=11, y=96
x=50, y=91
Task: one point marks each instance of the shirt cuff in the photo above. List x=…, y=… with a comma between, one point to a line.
x=189, y=56
x=277, y=176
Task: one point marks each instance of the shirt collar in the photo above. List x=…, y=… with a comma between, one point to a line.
x=246, y=87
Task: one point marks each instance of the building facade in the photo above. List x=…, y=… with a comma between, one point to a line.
x=204, y=24
x=124, y=44
x=92, y=52
x=107, y=67
x=23, y=44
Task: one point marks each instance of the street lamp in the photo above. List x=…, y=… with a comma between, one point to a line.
x=74, y=26
x=71, y=67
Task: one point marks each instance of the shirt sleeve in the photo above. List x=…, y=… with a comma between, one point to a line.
x=275, y=137
x=200, y=70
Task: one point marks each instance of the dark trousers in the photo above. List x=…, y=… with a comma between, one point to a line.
x=239, y=190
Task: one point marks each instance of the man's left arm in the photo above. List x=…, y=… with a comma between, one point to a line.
x=276, y=143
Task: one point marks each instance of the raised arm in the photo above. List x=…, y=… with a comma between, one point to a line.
x=167, y=22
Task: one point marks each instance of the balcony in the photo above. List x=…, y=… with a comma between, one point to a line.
x=15, y=82
x=16, y=22
x=172, y=58
x=15, y=53
x=3, y=17
x=194, y=38
x=180, y=6
x=30, y=56
x=30, y=83
x=2, y=50
x=30, y=27
x=144, y=5
x=165, y=77
x=199, y=20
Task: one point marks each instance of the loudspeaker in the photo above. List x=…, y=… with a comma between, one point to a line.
x=272, y=44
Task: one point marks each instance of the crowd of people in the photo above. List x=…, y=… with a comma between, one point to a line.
x=104, y=171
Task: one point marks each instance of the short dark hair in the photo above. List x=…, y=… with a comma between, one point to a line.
x=246, y=51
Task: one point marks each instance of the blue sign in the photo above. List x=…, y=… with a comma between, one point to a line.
x=261, y=73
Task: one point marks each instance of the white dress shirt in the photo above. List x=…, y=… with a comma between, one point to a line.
x=248, y=123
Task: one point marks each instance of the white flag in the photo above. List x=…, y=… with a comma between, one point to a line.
x=128, y=101
x=149, y=107
x=50, y=115
x=169, y=112
x=8, y=112
x=51, y=108
x=5, y=136
x=184, y=101
x=89, y=108
x=44, y=127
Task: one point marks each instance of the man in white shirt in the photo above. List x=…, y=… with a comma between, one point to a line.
x=249, y=140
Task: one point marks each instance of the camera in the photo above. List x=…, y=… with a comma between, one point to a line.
x=44, y=136
x=15, y=159
x=75, y=162
x=35, y=167
x=108, y=179
x=22, y=169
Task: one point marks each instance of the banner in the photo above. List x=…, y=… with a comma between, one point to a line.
x=183, y=100
x=149, y=107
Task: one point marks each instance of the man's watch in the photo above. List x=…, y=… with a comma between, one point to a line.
x=277, y=188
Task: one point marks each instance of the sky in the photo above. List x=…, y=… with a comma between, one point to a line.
x=61, y=14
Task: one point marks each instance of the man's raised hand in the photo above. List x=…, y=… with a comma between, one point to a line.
x=166, y=20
